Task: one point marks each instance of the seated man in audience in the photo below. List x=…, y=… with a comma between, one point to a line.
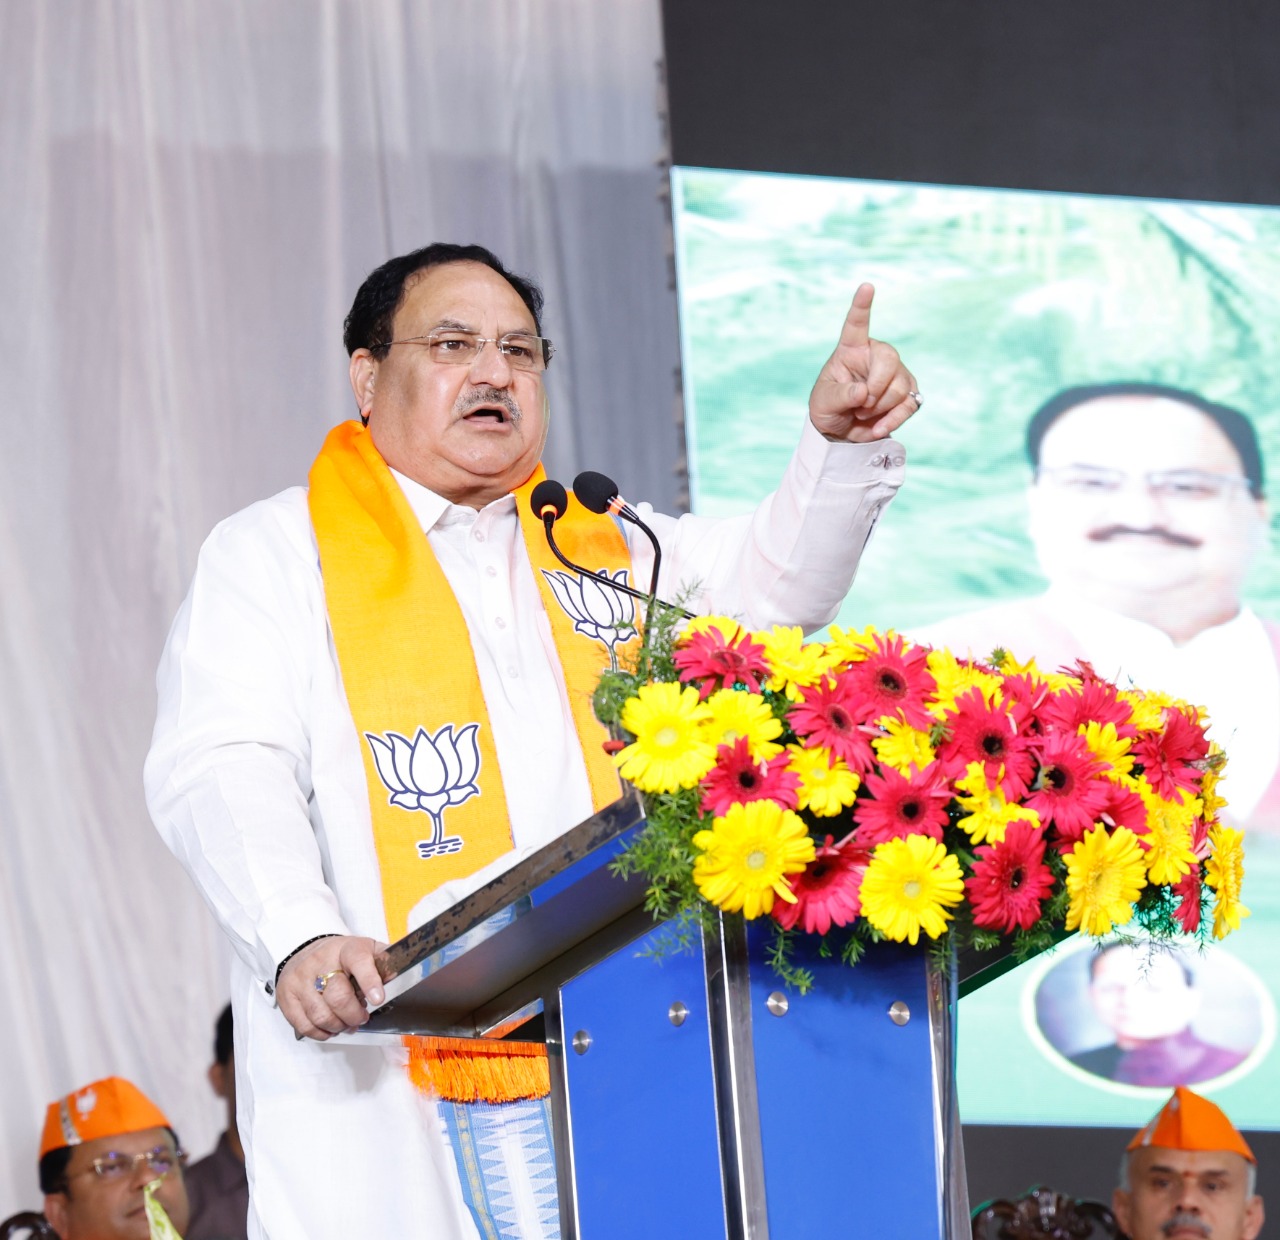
x=217, y=1186
x=101, y=1146
x=1188, y=1173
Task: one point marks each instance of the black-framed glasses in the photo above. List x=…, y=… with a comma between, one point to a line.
x=454, y=347
x=118, y=1167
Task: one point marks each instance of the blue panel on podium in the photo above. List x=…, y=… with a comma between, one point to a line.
x=641, y=1105
x=846, y=1099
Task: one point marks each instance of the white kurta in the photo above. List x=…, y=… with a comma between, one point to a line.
x=256, y=782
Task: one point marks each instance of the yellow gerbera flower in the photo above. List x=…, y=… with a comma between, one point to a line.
x=1217, y=762
x=853, y=645
x=1168, y=839
x=795, y=662
x=671, y=749
x=989, y=810
x=909, y=885
x=737, y=714
x=728, y=628
x=1054, y=680
x=1135, y=783
x=747, y=854
x=827, y=785
x=953, y=679
x=1148, y=713
x=1105, y=874
x=903, y=747
x=1108, y=747
x=1224, y=872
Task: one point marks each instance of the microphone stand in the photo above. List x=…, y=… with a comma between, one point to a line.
x=606, y=580
x=549, y=520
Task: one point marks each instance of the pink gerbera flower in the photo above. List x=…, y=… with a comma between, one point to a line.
x=1188, y=910
x=894, y=680
x=1010, y=880
x=898, y=805
x=1030, y=693
x=737, y=778
x=1168, y=756
x=1095, y=701
x=721, y=662
x=1069, y=791
x=992, y=736
x=1200, y=839
x=828, y=892
x=830, y=717
x=1121, y=807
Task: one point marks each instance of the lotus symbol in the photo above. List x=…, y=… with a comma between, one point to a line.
x=430, y=773
x=598, y=612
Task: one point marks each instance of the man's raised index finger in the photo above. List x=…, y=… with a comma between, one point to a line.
x=857, y=324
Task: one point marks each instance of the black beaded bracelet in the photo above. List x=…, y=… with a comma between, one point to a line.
x=301, y=948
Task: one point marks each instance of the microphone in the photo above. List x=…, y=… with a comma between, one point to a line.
x=549, y=499
x=549, y=502
x=599, y=493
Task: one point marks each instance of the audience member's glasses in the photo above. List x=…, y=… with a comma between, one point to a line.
x=459, y=348
x=1180, y=485
x=159, y=1161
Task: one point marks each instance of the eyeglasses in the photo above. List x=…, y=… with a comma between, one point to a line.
x=119, y=1167
x=460, y=348
x=1176, y=485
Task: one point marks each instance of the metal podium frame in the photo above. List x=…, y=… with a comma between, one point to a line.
x=528, y=942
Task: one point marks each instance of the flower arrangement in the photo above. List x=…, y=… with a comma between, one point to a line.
x=869, y=788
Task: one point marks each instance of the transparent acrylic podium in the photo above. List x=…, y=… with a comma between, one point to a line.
x=694, y=1094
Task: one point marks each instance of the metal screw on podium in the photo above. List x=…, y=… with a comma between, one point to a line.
x=582, y=1041
x=777, y=1003
x=899, y=1013
x=677, y=1013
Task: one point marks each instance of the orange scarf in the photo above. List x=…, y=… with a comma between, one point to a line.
x=436, y=793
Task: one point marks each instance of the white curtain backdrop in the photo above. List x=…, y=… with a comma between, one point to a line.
x=191, y=191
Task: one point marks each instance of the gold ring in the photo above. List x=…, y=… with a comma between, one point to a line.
x=322, y=979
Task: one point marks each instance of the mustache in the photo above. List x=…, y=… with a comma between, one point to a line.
x=1159, y=532
x=1184, y=1220
x=480, y=397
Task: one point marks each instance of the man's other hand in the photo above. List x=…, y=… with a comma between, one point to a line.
x=317, y=1011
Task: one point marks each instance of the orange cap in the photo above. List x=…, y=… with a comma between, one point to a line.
x=106, y=1108
x=1190, y=1122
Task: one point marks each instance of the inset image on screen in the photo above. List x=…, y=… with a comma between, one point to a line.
x=1138, y=1014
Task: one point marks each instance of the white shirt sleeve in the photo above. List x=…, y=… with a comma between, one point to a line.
x=228, y=778
x=792, y=560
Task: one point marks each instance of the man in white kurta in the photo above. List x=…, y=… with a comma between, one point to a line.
x=255, y=778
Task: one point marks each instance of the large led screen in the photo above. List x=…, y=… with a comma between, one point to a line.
x=1142, y=543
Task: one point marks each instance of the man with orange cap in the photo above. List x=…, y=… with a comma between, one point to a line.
x=1188, y=1173
x=101, y=1146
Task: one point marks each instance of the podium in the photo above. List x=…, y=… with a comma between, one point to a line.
x=691, y=1092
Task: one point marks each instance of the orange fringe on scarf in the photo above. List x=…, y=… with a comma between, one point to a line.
x=479, y=1069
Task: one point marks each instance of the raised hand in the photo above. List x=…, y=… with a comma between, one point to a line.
x=864, y=392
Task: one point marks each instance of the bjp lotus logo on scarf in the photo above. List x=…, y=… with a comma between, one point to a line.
x=431, y=774
x=604, y=615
